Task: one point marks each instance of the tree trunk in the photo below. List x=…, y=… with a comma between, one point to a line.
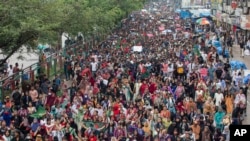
x=9, y=55
x=59, y=41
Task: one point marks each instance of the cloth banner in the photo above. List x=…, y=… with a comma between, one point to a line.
x=137, y=48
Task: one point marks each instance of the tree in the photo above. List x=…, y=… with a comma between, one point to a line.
x=22, y=24
x=29, y=22
x=15, y=28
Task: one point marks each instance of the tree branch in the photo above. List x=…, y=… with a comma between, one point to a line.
x=24, y=38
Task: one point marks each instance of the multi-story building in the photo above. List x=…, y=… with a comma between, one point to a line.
x=232, y=14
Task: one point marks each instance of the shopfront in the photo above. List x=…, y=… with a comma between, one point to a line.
x=245, y=24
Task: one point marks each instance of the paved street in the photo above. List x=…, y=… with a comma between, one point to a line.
x=246, y=60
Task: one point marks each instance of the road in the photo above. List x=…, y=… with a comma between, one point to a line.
x=246, y=60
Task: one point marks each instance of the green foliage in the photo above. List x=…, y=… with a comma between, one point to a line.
x=29, y=22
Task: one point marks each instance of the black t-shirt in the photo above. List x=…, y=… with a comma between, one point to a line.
x=244, y=90
x=218, y=73
x=228, y=78
x=226, y=66
x=16, y=121
x=193, y=76
x=241, y=44
x=16, y=97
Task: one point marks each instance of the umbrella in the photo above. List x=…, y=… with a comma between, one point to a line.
x=202, y=21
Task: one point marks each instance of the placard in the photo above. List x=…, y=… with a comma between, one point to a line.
x=137, y=48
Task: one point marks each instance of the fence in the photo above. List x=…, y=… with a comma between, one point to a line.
x=28, y=75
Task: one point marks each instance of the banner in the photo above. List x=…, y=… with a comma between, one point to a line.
x=137, y=48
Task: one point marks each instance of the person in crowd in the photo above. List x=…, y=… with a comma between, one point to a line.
x=175, y=89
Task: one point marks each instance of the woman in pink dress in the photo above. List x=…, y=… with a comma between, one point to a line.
x=179, y=91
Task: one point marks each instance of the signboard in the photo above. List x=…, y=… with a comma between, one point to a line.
x=198, y=2
x=214, y=4
x=137, y=48
x=245, y=22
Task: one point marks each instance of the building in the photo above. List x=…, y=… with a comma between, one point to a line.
x=192, y=3
x=232, y=14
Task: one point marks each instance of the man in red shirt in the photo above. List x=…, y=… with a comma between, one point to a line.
x=144, y=87
x=92, y=137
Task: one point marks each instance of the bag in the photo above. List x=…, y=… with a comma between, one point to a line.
x=180, y=70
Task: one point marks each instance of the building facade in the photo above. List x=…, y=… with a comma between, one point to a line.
x=232, y=14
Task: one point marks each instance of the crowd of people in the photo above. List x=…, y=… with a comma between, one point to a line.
x=153, y=79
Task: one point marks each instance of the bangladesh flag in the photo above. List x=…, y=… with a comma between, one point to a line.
x=39, y=113
x=118, y=44
x=94, y=125
x=196, y=50
x=145, y=75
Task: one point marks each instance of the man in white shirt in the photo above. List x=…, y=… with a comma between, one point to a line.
x=10, y=71
x=191, y=66
x=248, y=43
x=218, y=97
x=240, y=99
x=94, y=66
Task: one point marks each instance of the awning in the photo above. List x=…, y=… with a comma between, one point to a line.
x=177, y=11
x=200, y=13
x=195, y=13
x=185, y=14
x=204, y=12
